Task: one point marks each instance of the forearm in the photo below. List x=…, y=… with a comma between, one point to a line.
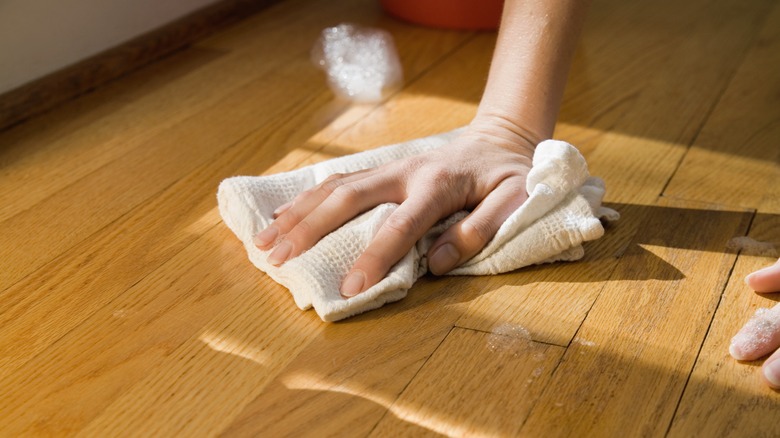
x=530, y=65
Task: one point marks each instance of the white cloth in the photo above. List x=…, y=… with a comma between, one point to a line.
x=562, y=211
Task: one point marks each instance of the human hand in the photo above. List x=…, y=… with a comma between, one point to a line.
x=761, y=335
x=484, y=169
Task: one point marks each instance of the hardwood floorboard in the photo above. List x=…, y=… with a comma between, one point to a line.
x=151, y=231
x=645, y=334
x=281, y=143
x=44, y=155
x=128, y=308
x=475, y=384
x=632, y=107
x=740, y=137
x=725, y=397
x=344, y=381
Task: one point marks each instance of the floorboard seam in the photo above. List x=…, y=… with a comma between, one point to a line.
x=173, y=183
x=552, y=344
x=412, y=379
x=715, y=104
x=707, y=332
x=238, y=141
x=584, y=318
x=59, y=339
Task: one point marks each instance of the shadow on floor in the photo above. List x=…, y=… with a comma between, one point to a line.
x=349, y=378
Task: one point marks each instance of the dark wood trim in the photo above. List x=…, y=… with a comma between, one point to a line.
x=49, y=91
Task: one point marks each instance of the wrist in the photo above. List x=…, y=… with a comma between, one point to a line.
x=505, y=133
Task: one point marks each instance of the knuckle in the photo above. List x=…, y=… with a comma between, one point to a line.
x=333, y=177
x=402, y=224
x=477, y=232
x=290, y=219
x=347, y=194
x=446, y=182
x=413, y=162
x=303, y=236
x=374, y=264
x=302, y=230
x=440, y=174
x=329, y=186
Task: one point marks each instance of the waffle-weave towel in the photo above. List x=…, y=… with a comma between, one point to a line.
x=562, y=211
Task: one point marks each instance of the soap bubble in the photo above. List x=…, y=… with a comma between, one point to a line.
x=509, y=338
x=361, y=63
x=759, y=336
x=753, y=247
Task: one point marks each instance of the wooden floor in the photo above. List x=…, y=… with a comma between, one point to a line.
x=128, y=308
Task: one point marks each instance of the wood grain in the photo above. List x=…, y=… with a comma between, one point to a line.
x=42, y=156
x=633, y=106
x=176, y=151
x=717, y=377
x=475, y=384
x=343, y=382
x=647, y=332
x=127, y=308
x=739, y=139
x=282, y=142
x=65, y=84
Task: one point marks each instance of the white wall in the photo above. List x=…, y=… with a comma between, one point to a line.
x=38, y=37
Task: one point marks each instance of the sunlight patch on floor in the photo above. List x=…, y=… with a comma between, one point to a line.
x=419, y=416
x=225, y=344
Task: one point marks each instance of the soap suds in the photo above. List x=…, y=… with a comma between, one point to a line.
x=753, y=247
x=121, y=313
x=361, y=63
x=757, y=335
x=510, y=339
x=584, y=342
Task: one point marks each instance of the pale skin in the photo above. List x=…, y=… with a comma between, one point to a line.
x=766, y=280
x=483, y=171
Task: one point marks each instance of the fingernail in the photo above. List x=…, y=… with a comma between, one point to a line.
x=772, y=373
x=265, y=237
x=280, y=254
x=353, y=284
x=764, y=270
x=444, y=259
x=735, y=351
x=282, y=208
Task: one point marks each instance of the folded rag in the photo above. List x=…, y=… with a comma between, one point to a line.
x=562, y=211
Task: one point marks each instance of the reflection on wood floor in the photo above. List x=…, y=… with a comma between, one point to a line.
x=128, y=308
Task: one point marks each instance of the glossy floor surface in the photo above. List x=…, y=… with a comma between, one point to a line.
x=128, y=308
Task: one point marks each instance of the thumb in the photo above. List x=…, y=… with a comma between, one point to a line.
x=466, y=238
x=765, y=280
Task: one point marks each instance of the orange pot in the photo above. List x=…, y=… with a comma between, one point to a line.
x=447, y=14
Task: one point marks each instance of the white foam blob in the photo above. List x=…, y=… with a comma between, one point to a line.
x=361, y=63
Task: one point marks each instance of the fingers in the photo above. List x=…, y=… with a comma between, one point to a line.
x=290, y=214
x=759, y=337
x=301, y=226
x=282, y=208
x=766, y=279
x=762, y=333
x=395, y=238
x=466, y=238
x=771, y=370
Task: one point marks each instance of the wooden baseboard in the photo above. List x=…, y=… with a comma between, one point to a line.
x=49, y=91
